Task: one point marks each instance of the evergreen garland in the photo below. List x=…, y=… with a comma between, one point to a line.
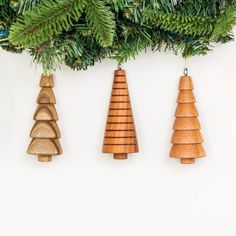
x=79, y=33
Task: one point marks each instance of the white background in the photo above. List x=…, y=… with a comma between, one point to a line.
x=87, y=193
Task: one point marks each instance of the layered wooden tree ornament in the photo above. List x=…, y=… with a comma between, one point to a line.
x=187, y=139
x=45, y=132
x=120, y=135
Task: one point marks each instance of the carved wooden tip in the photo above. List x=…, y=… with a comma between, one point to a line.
x=45, y=158
x=186, y=139
x=119, y=72
x=120, y=136
x=120, y=156
x=187, y=161
x=185, y=83
x=46, y=81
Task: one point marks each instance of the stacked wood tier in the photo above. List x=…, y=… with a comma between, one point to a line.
x=187, y=139
x=45, y=132
x=120, y=135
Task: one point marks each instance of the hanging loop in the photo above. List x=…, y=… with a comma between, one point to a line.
x=185, y=71
x=119, y=66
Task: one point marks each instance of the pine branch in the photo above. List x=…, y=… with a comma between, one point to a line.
x=135, y=39
x=128, y=50
x=119, y=5
x=225, y=22
x=55, y=32
x=90, y=51
x=182, y=24
x=45, y=20
x=101, y=20
x=21, y=6
x=195, y=46
x=48, y=56
x=7, y=16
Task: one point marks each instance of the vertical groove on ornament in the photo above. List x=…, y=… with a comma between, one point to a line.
x=120, y=135
x=186, y=139
x=45, y=132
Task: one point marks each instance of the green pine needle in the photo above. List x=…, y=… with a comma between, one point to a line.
x=45, y=20
x=181, y=24
x=102, y=22
x=225, y=23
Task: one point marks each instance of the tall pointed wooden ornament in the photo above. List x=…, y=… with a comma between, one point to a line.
x=45, y=132
x=187, y=139
x=120, y=135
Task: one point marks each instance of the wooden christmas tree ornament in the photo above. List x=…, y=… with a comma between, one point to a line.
x=45, y=132
x=120, y=135
x=187, y=139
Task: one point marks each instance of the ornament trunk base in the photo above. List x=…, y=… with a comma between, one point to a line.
x=187, y=161
x=44, y=158
x=120, y=156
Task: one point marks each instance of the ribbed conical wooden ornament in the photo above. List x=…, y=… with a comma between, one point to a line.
x=120, y=135
x=45, y=132
x=187, y=139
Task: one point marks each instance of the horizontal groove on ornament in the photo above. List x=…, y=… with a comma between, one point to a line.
x=119, y=82
x=120, y=95
x=120, y=137
x=45, y=138
x=118, y=130
x=120, y=102
x=119, y=115
x=120, y=88
x=119, y=123
x=186, y=144
x=125, y=144
x=117, y=109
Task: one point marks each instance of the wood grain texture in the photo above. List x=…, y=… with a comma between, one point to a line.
x=45, y=129
x=45, y=112
x=120, y=135
x=186, y=123
x=186, y=110
x=46, y=95
x=186, y=139
x=185, y=83
x=45, y=132
x=186, y=97
x=46, y=81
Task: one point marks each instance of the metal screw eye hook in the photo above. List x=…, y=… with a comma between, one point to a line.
x=119, y=66
x=186, y=71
